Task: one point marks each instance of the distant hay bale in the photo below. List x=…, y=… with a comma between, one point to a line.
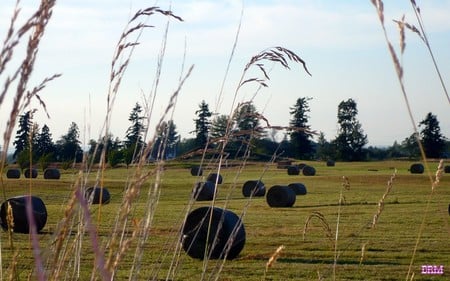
x=98, y=195
x=204, y=191
x=13, y=174
x=298, y=188
x=301, y=165
x=308, y=171
x=33, y=173
x=215, y=177
x=293, y=170
x=196, y=171
x=283, y=164
x=447, y=169
x=202, y=240
x=253, y=188
x=52, y=174
x=416, y=168
x=330, y=163
x=20, y=220
x=280, y=196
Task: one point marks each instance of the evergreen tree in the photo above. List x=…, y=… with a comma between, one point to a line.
x=202, y=125
x=167, y=139
x=23, y=134
x=219, y=126
x=300, y=137
x=410, y=146
x=44, y=143
x=351, y=138
x=432, y=140
x=69, y=147
x=324, y=148
x=134, y=132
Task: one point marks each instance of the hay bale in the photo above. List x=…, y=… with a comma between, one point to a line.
x=196, y=171
x=447, y=169
x=293, y=170
x=280, y=196
x=18, y=206
x=330, y=163
x=308, y=171
x=226, y=237
x=52, y=174
x=416, y=168
x=298, y=188
x=301, y=166
x=204, y=191
x=13, y=174
x=253, y=188
x=215, y=177
x=97, y=195
x=33, y=173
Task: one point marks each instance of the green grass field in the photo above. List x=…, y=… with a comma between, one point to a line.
x=388, y=248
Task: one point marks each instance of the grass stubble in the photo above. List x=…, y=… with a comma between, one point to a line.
x=63, y=259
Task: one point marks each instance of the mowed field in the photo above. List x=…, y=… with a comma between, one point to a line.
x=363, y=253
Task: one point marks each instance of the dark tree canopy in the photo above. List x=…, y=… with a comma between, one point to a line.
x=202, y=124
x=351, y=138
x=432, y=140
x=69, y=147
x=134, y=132
x=23, y=134
x=166, y=141
x=300, y=137
x=44, y=144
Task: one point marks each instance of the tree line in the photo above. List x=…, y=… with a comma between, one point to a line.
x=246, y=133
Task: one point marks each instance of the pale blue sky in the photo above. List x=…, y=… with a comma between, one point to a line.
x=341, y=42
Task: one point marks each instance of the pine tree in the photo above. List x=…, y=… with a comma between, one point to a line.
x=134, y=132
x=351, y=138
x=23, y=134
x=44, y=143
x=69, y=147
x=300, y=137
x=432, y=140
x=202, y=125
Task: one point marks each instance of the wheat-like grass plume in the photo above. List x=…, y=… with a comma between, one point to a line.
x=273, y=258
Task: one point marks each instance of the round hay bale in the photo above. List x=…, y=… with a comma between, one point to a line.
x=215, y=177
x=416, y=168
x=97, y=195
x=253, y=188
x=298, y=188
x=18, y=206
x=13, y=174
x=308, y=171
x=330, y=163
x=301, y=166
x=52, y=174
x=196, y=171
x=447, y=169
x=226, y=237
x=204, y=191
x=280, y=196
x=293, y=170
x=33, y=173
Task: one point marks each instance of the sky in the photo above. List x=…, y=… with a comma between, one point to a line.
x=341, y=42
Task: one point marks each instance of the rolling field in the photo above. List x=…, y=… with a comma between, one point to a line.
x=383, y=252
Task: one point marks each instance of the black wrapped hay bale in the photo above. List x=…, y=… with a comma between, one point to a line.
x=52, y=174
x=204, y=191
x=293, y=170
x=416, y=168
x=308, y=171
x=196, y=171
x=447, y=169
x=298, y=188
x=330, y=163
x=213, y=177
x=226, y=233
x=30, y=173
x=254, y=188
x=13, y=174
x=97, y=195
x=19, y=212
x=280, y=196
